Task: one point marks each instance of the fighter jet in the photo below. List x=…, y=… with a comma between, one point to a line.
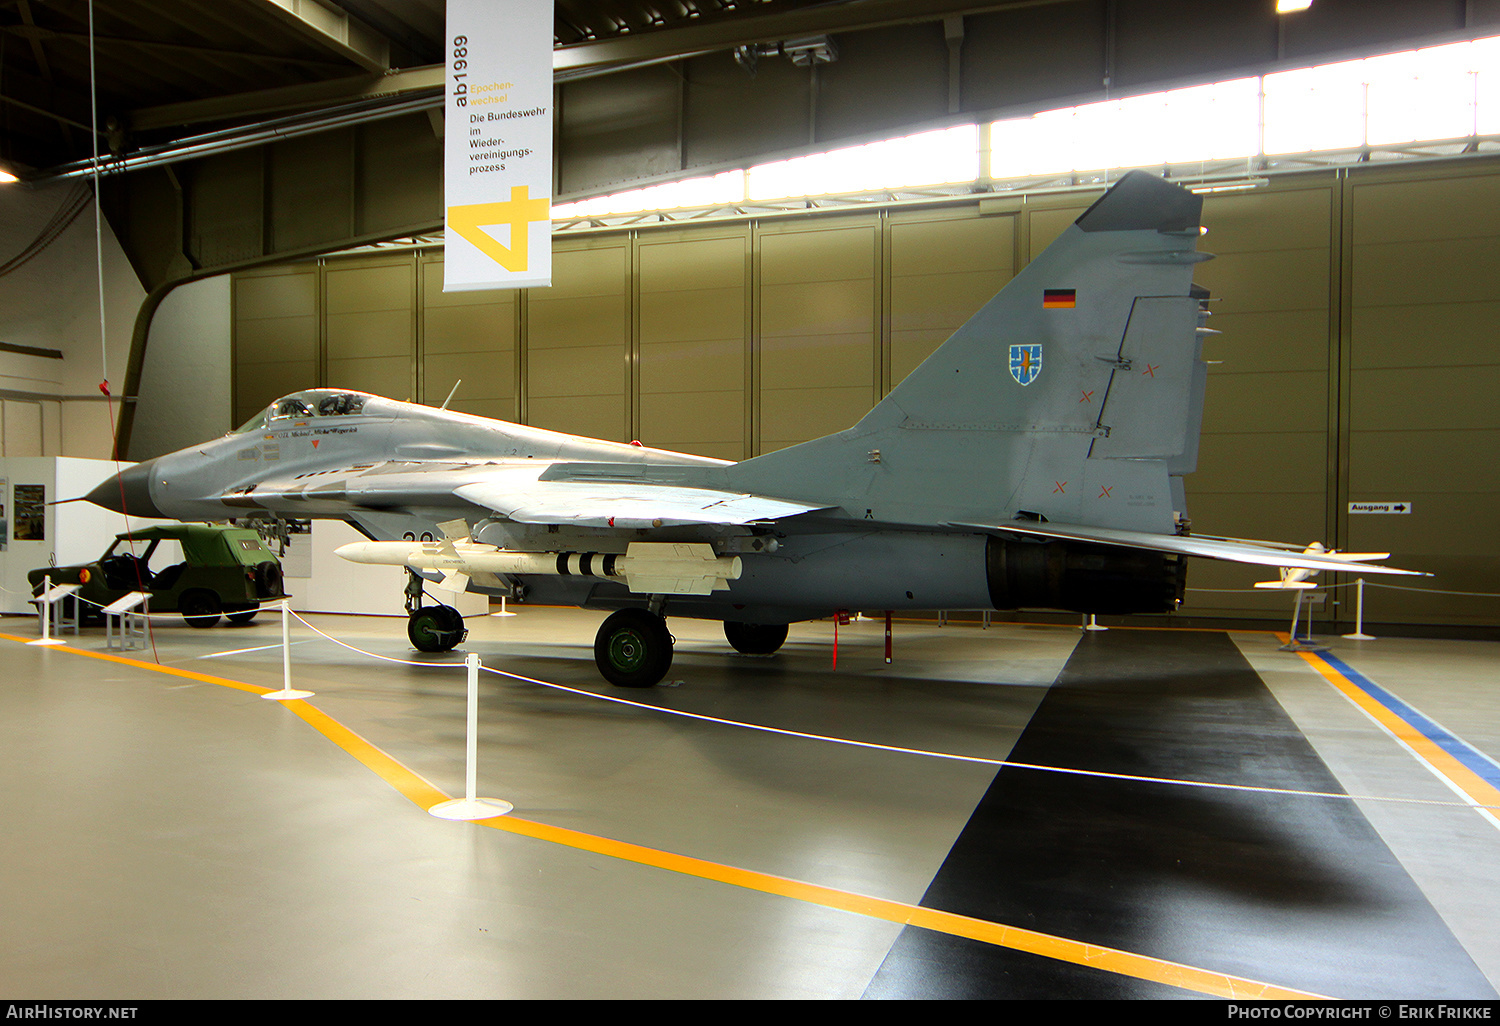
x=1034, y=460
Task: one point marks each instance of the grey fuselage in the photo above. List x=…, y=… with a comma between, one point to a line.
x=392, y=470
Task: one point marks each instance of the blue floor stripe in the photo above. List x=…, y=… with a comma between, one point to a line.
x=1471, y=757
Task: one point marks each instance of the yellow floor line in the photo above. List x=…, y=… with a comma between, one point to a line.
x=423, y=794
x=1463, y=779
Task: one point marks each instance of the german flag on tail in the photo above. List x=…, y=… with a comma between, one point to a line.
x=1059, y=299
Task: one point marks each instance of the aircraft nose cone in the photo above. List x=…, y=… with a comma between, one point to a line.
x=128, y=492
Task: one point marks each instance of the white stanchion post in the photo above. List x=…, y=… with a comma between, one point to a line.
x=1093, y=624
x=286, y=694
x=471, y=807
x=44, y=607
x=1359, y=613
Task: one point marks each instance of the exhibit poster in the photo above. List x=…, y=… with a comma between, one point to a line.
x=29, y=504
x=497, y=163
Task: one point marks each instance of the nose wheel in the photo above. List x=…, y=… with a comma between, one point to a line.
x=431, y=628
x=633, y=648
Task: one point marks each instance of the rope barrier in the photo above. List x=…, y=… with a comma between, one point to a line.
x=897, y=749
x=258, y=607
x=1433, y=591
x=875, y=746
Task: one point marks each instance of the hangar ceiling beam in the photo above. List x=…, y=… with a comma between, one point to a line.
x=598, y=56
x=285, y=98
x=336, y=30
x=36, y=33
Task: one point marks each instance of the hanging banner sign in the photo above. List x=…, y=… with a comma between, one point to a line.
x=497, y=172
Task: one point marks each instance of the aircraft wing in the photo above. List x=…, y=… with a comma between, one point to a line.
x=528, y=492
x=625, y=504
x=1232, y=549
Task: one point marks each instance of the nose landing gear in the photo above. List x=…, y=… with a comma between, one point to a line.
x=431, y=628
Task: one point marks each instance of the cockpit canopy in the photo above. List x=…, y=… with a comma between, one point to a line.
x=315, y=402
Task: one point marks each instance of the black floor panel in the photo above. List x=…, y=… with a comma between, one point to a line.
x=1298, y=892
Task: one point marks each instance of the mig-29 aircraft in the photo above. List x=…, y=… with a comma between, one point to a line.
x=1035, y=459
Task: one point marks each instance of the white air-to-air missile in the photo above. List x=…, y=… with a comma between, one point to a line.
x=1035, y=459
x=666, y=568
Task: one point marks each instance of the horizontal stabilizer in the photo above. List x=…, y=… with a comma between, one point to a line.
x=1231, y=549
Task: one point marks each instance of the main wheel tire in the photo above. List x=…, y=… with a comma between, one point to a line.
x=242, y=616
x=755, y=638
x=200, y=608
x=436, y=628
x=633, y=649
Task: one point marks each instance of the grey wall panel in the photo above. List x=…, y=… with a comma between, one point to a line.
x=398, y=161
x=896, y=75
x=1357, y=24
x=225, y=203
x=731, y=115
x=313, y=182
x=1161, y=40
x=1029, y=55
x=619, y=127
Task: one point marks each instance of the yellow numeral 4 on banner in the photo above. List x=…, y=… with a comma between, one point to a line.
x=518, y=212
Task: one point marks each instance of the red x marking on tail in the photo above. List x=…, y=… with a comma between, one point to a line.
x=1105, y=493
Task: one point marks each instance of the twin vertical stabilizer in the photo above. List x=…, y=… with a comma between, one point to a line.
x=1073, y=395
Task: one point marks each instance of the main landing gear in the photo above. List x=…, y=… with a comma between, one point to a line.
x=431, y=628
x=633, y=648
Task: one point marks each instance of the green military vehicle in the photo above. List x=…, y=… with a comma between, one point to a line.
x=224, y=571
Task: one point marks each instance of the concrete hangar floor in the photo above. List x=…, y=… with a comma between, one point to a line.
x=165, y=833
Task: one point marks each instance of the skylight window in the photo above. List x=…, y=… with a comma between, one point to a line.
x=1315, y=109
x=929, y=158
x=1429, y=95
x=1213, y=122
